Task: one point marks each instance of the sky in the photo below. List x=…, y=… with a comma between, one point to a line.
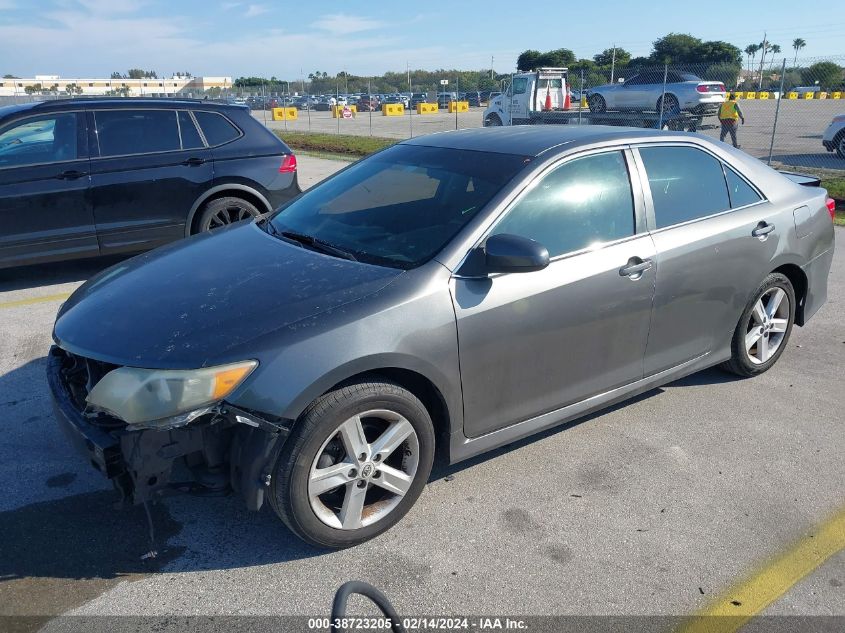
x=92, y=38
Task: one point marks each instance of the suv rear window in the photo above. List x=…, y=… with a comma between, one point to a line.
x=122, y=132
x=216, y=128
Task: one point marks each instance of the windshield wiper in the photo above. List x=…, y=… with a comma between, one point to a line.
x=317, y=244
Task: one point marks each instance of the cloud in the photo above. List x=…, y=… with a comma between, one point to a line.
x=230, y=5
x=106, y=7
x=342, y=24
x=7, y=5
x=255, y=9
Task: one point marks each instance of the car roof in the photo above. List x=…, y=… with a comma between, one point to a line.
x=533, y=140
x=117, y=102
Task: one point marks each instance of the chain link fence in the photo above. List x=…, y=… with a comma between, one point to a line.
x=791, y=112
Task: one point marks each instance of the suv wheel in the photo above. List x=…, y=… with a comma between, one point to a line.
x=224, y=211
x=764, y=328
x=354, y=464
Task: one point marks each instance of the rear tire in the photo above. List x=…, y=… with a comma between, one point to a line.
x=324, y=440
x=224, y=211
x=839, y=144
x=764, y=328
x=596, y=103
x=669, y=103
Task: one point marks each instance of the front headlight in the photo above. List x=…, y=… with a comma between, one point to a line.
x=144, y=396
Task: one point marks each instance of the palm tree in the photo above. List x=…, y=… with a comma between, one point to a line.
x=774, y=50
x=751, y=51
x=797, y=44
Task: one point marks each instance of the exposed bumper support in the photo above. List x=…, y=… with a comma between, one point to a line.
x=229, y=448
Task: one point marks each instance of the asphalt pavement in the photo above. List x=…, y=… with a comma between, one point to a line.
x=653, y=507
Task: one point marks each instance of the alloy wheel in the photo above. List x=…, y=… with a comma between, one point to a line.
x=226, y=216
x=364, y=469
x=767, y=325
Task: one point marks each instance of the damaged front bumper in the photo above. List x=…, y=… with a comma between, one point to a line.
x=224, y=449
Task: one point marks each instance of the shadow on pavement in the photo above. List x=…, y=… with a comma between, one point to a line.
x=23, y=277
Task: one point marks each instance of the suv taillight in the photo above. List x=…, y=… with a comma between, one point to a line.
x=831, y=207
x=288, y=165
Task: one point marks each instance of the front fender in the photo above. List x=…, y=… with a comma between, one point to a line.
x=409, y=325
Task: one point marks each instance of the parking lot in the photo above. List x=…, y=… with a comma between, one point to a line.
x=657, y=507
x=797, y=140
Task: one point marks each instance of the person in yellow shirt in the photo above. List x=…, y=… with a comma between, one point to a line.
x=729, y=115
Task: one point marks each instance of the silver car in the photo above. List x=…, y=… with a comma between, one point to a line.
x=455, y=292
x=644, y=92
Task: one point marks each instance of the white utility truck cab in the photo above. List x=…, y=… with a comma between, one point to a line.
x=526, y=96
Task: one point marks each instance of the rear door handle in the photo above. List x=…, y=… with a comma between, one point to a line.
x=71, y=174
x=635, y=268
x=193, y=162
x=763, y=229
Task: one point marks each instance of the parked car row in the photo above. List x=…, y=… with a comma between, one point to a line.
x=364, y=102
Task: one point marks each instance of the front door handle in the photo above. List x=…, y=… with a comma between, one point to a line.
x=193, y=162
x=71, y=174
x=762, y=230
x=635, y=268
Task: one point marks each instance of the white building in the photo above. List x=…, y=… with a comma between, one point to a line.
x=160, y=87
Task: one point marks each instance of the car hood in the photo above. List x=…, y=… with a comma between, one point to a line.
x=184, y=305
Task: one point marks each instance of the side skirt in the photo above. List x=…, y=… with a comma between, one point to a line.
x=462, y=447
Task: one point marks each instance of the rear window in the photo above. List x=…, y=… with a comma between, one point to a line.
x=124, y=132
x=216, y=128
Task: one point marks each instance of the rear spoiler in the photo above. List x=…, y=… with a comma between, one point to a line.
x=802, y=179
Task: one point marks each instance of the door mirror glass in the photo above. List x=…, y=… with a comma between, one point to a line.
x=506, y=253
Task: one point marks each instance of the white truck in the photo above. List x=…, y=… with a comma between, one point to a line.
x=527, y=99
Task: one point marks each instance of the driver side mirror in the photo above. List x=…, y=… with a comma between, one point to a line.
x=514, y=254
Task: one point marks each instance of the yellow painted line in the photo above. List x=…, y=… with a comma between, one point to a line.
x=734, y=608
x=32, y=300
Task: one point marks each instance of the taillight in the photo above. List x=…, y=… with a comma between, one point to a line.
x=701, y=88
x=831, y=207
x=288, y=165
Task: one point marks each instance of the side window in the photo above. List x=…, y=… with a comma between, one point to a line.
x=740, y=191
x=123, y=132
x=216, y=128
x=520, y=85
x=190, y=136
x=45, y=139
x=686, y=184
x=584, y=201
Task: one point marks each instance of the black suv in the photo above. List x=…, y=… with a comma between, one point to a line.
x=80, y=178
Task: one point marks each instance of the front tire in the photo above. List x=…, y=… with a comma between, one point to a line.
x=764, y=328
x=493, y=120
x=354, y=464
x=596, y=103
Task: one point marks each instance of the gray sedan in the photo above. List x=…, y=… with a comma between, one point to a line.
x=455, y=292
x=645, y=92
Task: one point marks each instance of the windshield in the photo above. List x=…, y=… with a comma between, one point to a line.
x=400, y=207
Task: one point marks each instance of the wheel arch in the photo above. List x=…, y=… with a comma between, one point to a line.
x=798, y=278
x=250, y=194
x=416, y=376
